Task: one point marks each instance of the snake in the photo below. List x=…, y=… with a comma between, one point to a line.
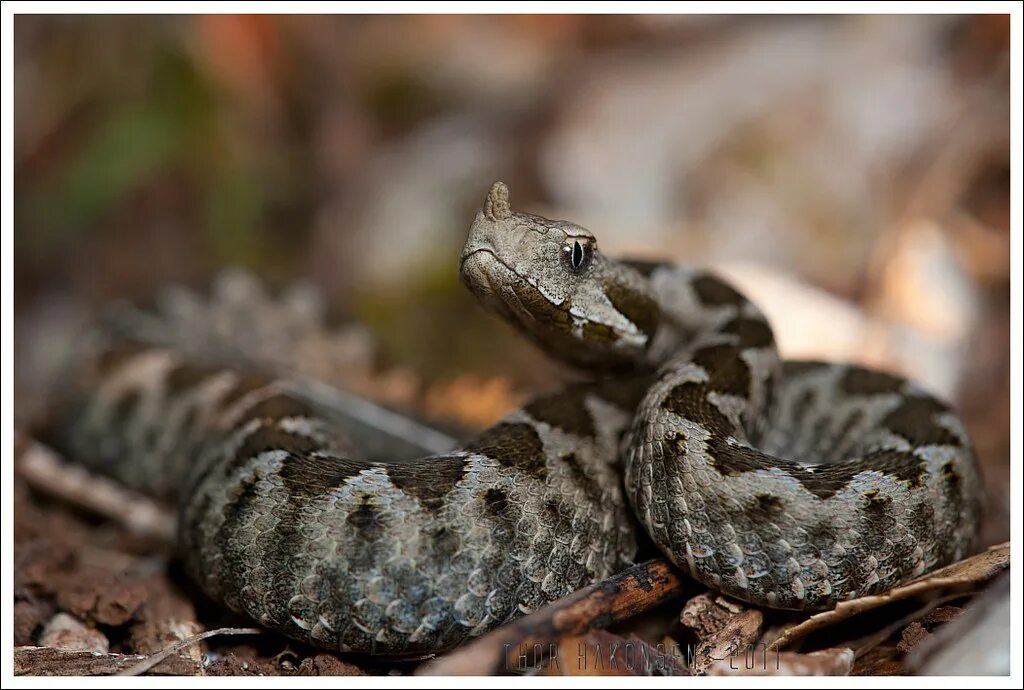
x=785, y=484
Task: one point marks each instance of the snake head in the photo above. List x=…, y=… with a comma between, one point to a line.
x=548, y=278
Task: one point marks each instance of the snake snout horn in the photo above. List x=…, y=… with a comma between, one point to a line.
x=496, y=206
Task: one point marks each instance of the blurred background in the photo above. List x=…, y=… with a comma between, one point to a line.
x=851, y=174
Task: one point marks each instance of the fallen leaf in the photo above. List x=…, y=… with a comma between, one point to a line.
x=918, y=631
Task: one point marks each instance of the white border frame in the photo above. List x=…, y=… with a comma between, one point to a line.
x=500, y=7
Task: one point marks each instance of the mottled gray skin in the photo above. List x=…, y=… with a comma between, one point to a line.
x=785, y=484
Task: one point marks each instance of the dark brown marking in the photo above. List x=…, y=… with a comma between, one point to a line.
x=306, y=476
x=876, y=504
x=851, y=422
x=541, y=307
x=922, y=521
x=564, y=410
x=904, y=466
x=792, y=368
x=690, y=401
x=238, y=512
x=802, y=406
x=858, y=381
x=636, y=306
x=245, y=384
x=595, y=332
x=444, y=542
x=624, y=392
x=125, y=407
x=732, y=460
x=952, y=490
x=366, y=519
x=877, y=519
x=271, y=437
x=644, y=267
x=429, y=479
x=768, y=504
x=279, y=406
x=553, y=329
x=751, y=332
x=185, y=377
x=952, y=483
x=496, y=502
x=914, y=420
x=713, y=292
x=725, y=366
x=513, y=445
x=822, y=534
x=824, y=481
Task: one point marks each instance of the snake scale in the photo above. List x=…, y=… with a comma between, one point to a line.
x=787, y=484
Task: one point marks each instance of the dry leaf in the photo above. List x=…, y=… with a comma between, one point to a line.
x=918, y=631
x=971, y=570
x=761, y=662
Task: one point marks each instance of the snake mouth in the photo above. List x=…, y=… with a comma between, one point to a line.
x=500, y=288
x=473, y=270
x=468, y=254
x=480, y=267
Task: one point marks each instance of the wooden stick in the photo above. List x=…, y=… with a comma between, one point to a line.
x=51, y=661
x=151, y=661
x=626, y=594
x=45, y=471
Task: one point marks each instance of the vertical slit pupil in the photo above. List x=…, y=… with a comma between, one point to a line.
x=577, y=255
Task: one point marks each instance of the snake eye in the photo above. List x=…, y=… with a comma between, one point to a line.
x=577, y=255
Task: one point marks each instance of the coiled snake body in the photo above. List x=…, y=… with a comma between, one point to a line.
x=786, y=484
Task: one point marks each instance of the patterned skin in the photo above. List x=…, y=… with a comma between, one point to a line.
x=786, y=484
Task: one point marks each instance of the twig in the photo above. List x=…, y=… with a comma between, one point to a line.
x=51, y=661
x=155, y=659
x=626, y=594
x=47, y=472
